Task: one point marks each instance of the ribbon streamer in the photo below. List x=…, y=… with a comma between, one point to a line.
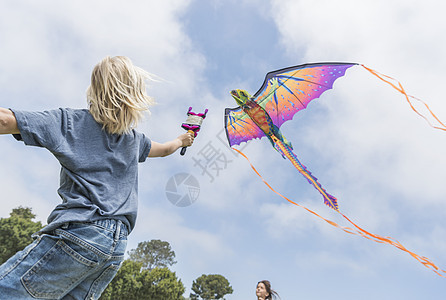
x=357, y=230
x=399, y=87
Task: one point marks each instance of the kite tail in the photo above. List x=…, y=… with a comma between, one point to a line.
x=286, y=151
x=358, y=230
x=399, y=87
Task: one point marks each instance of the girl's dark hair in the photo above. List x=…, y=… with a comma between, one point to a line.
x=272, y=293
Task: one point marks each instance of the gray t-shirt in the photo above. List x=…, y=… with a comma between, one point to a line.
x=99, y=171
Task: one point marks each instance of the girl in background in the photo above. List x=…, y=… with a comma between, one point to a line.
x=265, y=292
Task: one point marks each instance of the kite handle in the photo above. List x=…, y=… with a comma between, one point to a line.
x=183, y=150
x=193, y=124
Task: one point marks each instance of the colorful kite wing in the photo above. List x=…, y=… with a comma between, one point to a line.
x=285, y=92
x=240, y=127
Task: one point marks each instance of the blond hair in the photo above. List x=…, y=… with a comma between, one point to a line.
x=117, y=94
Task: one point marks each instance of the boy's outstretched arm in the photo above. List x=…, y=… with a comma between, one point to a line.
x=8, y=122
x=160, y=150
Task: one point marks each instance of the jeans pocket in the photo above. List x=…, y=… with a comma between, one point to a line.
x=56, y=272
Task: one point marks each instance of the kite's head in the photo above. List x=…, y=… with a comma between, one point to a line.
x=240, y=96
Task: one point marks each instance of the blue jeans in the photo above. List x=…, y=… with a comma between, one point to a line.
x=78, y=261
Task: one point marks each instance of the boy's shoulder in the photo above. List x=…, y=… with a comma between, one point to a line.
x=77, y=113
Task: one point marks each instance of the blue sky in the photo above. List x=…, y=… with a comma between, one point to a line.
x=361, y=139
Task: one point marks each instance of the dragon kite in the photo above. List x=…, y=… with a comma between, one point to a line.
x=284, y=93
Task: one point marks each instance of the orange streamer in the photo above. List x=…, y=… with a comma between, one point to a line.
x=357, y=230
x=400, y=89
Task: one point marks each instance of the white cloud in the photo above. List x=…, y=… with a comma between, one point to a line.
x=28, y=178
x=373, y=142
x=52, y=46
x=169, y=225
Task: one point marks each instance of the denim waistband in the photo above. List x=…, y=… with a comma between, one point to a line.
x=114, y=225
x=119, y=228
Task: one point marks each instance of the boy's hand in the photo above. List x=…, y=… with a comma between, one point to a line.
x=159, y=150
x=8, y=122
x=187, y=139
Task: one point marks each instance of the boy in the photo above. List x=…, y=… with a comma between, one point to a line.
x=80, y=250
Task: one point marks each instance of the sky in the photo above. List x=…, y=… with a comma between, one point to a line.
x=361, y=139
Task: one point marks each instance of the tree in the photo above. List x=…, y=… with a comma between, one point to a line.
x=210, y=287
x=160, y=284
x=154, y=253
x=16, y=231
x=133, y=282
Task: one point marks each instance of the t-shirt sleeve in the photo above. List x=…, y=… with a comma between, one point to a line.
x=144, y=149
x=41, y=129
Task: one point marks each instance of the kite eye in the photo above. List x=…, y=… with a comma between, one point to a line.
x=243, y=94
